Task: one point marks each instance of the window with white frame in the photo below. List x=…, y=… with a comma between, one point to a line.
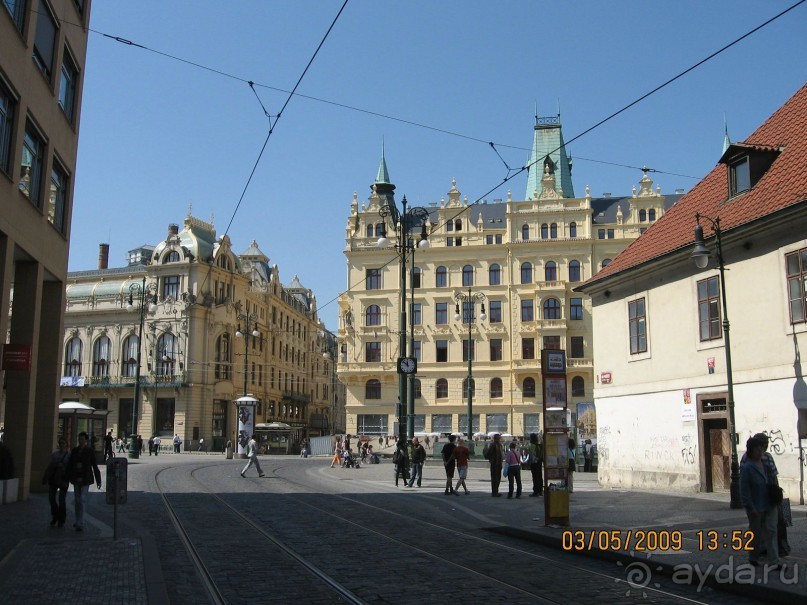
x=637, y=326
x=796, y=270
x=68, y=81
x=709, y=309
x=72, y=357
x=100, y=356
x=57, y=201
x=33, y=155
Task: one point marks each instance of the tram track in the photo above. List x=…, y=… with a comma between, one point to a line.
x=422, y=547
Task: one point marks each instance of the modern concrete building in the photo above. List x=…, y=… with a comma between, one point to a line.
x=216, y=326
x=664, y=328
x=524, y=256
x=43, y=45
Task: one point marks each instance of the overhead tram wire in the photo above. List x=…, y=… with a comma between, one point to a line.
x=509, y=176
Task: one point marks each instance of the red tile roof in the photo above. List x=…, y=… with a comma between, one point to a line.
x=783, y=185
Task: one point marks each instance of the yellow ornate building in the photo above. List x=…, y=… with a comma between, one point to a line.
x=523, y=256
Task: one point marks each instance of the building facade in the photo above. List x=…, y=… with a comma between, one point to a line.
x=662, y=336
x=523, y=256
x=43, y=45
x=216, y=326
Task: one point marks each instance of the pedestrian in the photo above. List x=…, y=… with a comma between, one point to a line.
x=428, y=444
x=252, y=457
x=337, y=454
x=572, y=466
x=773, y=477
x=450, y=463
x=494, y=454
x=2, y=432
x=157, y=442
x=151, y=445
x=177, y=443
x=462, y=454
x=588, y=453
x=201, y=445
x=400, y=459
x=386, y=440
x=536, y=465
x=56, y=479
x=513, y=460
x=81, y=470
x=762, y=513
x=418, y=458
x=139, y=442
x=380, y=442
x=121, y=446
x=108, y=451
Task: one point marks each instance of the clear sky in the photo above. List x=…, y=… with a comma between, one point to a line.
x=447, y=76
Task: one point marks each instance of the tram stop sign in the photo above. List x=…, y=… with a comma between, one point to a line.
x=116, y=477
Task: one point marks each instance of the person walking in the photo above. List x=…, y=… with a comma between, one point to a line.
x=588, y=451
x=450, y=463
x=536, y=465
x=401, y=460
x=177, y=443
x=201, y=444
x=121, y=446
x=762, y=513
x=494, y=454
x=81, y=470
x=461, y=454
x=337, y=454
x=418, y=458
x=513, y=460
x=157, y=442
x=572, y=466
x=151, y=445
x=252, y=457
x=138, y=442
x=56, y=479
x=108, y=450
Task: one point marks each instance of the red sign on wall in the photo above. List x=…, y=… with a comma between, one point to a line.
x=17, y=357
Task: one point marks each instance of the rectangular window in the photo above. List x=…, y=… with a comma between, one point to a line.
x=417, y=350
x=796, y=281
x=165, y=416
x=7, y=105
x=416, y=278
x=171, y=290
x=373, y=279
x=417, y=317
x=44, y=41
x=577, y=351
x=67, y=86
x=527, y=310
x=552, y=342
x=532, y=423
x=610, y=234
x=441, y=313
x=637, y=325
x=372, y=351
x=441, y=350
x=489, y=240
x=57, y=202
x=739, y=176
x=449, y=241
x=600, y=233
x=373, y=424
x=527, y=348
x=495, y=349
x=496, y=422
x=709, y=308
x=465, y=345
x=463, y=423
x=441, y=423
x=33, y=153
x=495, y=311
x=17, y=10
x=576, y=308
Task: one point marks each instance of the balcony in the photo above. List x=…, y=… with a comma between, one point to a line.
x=549, y=286
x=581, y=362
x=108, y=382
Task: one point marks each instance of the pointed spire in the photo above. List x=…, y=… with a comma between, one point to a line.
x=726, y=139
x=383, y=174
x=548, y=142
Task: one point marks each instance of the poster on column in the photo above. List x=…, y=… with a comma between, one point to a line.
x=246, y=426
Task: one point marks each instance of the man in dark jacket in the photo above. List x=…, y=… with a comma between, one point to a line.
x=82, y=469
x=418, y=458
x=495, y=455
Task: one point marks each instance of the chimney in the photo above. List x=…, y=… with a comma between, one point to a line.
x=103, y=256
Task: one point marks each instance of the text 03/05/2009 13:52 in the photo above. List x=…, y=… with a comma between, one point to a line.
x=651, y=540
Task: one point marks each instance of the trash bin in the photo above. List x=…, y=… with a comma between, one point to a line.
x=228, y=452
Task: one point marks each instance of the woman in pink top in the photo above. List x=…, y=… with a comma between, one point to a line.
x=513, y=470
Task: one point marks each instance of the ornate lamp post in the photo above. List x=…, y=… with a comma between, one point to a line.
x=468, y=302
x=403, y=222
x=700, y=254
x=140, y=291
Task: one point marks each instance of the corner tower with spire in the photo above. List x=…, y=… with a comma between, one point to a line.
x=549, y=156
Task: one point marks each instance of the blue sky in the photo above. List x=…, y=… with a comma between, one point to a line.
x=158, y=134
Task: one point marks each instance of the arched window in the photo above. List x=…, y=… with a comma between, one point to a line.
x=129, y=356
x=578, y=386
x=372, y=316
x=441, y=388
x=467, y=275
x=372, y=389
x=551, y=308
x=572, y=229
x=553, y=231
x=370, y=230
x=525, y=232
x=494, y=275
x=574, y=270
x=72, y=357
x=441, y=277
x=651, y=215
x=605, y=262
x=167, y=353
x=172, y=257
x=417, y=391
x=529, y=387
x=526, y=273
x=223, y=369
x=551, y=271
x=495, y=388
x=642, y=215
x=100, y=356
x=458, y=225
x=544, y=231
x=465, y=387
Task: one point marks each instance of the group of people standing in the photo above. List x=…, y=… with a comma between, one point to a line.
x=77, y=466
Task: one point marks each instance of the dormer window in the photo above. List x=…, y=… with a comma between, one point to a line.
x=747, y=164
x=739, y=176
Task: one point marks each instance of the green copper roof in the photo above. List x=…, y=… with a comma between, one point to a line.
x=548, y=141
x=383, y=174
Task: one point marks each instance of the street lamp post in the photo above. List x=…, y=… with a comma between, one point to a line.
x=139, y=290
x=700, y=254
x=468, y=302
x=403, y=222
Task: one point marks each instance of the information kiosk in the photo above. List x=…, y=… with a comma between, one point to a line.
x=557, y=420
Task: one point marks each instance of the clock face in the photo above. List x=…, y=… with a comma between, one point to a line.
x=407, y=365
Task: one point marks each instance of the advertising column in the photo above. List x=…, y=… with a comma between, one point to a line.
x=557, y=418
x=245, y=408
